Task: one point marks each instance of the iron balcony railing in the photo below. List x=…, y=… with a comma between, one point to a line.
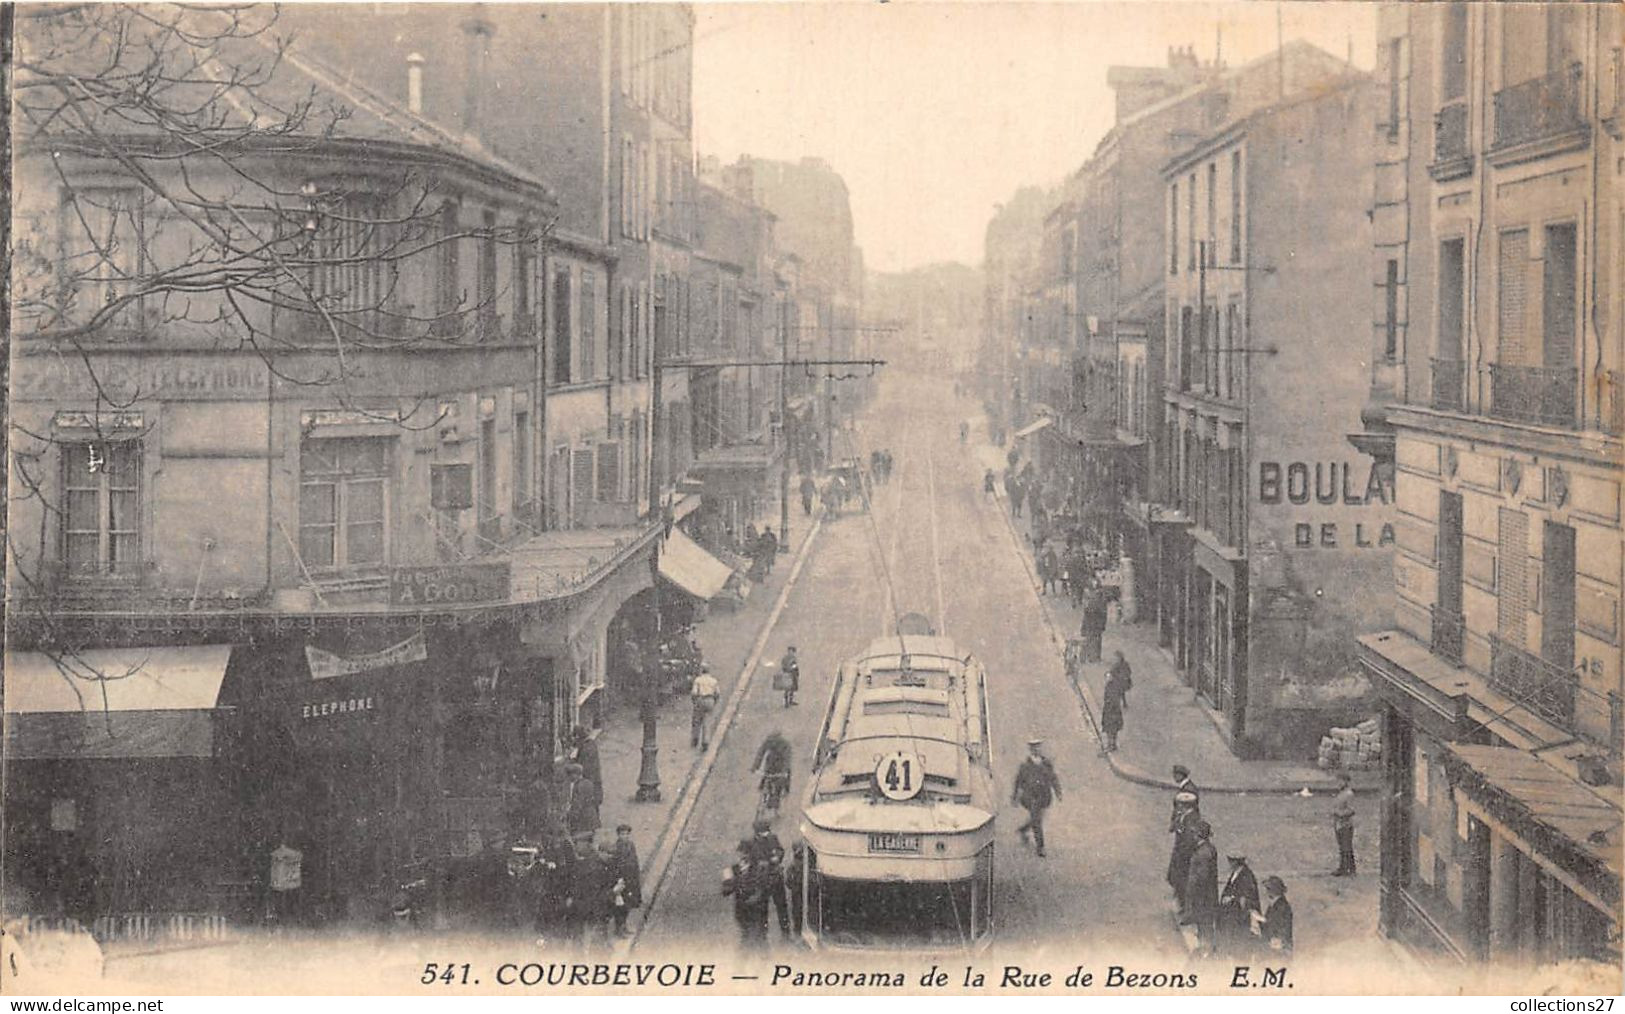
x=1449, y=384
x=1450, y=132
x=1612, y=407
x=1449, y=633
x=1547, y=689
x=1539, y=108
x=1543, y=395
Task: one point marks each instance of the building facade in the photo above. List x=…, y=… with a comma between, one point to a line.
x=1499, y=277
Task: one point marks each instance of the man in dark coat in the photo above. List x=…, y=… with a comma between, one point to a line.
x=1343, y=829
x=1186, y=816
x=586, y=754
x=557, y=876
x=1047, y=567
x=1093, y=627
x=1275, y=928
x=580, y=802
x=1036, y=788
x=1238, y=903
x=1183, y=783
x=770, y=548
x=1114, y=700
x=626, y=877
x=747, y=883
x=809, y=489
x=1202, y=887
x=589, y=893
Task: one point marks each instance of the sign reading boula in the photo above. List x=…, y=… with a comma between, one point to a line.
x=1327, y=483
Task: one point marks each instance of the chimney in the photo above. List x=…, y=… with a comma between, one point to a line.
x=477, y=34
x=414, y=82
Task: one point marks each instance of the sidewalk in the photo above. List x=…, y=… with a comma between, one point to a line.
x=1165, y=722
x=726, y=639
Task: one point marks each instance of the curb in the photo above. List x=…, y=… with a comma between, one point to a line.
x=688, y=796
x=1129, y=772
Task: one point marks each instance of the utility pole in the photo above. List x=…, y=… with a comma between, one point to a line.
x=649, y=768
x=784, y=435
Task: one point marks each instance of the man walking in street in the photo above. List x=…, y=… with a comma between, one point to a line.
x=1036, y=788
x=1343, y=828
x=626, y=877
x=1114, y=701
x=1202, y=887
x=1182, y=826
x=703, y=695
x=1238, y=904
x=789, y=677
x=744, y=881
x=809, y=489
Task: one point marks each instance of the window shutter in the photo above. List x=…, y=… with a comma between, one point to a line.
x=558, y=501
x=609, y=471
x=581, y=485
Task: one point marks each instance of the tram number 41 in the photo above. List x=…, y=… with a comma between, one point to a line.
x=899, y=775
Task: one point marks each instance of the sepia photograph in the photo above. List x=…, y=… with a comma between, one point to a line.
x=1109, y=498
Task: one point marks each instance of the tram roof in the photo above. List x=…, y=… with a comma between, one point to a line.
x=916, y=646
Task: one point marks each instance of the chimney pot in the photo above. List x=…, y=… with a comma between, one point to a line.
x=414, y=82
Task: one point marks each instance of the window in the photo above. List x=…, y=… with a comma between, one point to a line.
x=342, y=501
x=488, y=316
x=101, y=511
x=589, y=327
x=1190, y=218
x=561, y=325
x=102, y=238
x=1235, y=351
x=1558, y=297
x=1235, y=207
x=1452, y=301
x=488, y=470
x=1390, y=295
x=1173, y=229
x=1395, y=50
x=1212, y=212
x=1453, y=56
x=1512, y=302
x=523, y=495
x=347, y=276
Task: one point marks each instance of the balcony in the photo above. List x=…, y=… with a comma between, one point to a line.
x=1448, y=634
x=1538, y=395
x=1452, y=155
x=1449, y=385
x=1539, y=117
x=1546, y=689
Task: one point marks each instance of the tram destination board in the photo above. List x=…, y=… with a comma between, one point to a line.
x=887, y=841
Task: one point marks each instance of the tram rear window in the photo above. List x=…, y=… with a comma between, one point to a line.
x=864, y=913
x=934, y=709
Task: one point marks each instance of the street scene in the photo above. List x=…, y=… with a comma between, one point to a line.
x=470, y=521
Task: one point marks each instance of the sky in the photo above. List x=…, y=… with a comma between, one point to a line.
x=935, y=111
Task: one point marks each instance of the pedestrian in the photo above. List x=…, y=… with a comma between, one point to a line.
x=809, y=489
x=1016, y=494
x=1013, y=457
x=749, y=543
x=1238, y=904
x=1046, y=569
x=987, y=484
x=1343, y=828
x=1093, y=627
x=770, y=548
x=702, y=695
x=1186, y=816
x=1275, y=927
x=1114, y=700
x=1036, y=788
x=557, y=862
x=590, y=894
x=1202, y=887
x=626, y=876
x=743, y=882
x=788, y=678
x=767, y=856
x=580, y=802
x=1183, y=783
x=592, y=772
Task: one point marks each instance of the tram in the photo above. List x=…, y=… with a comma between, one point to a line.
x=897, y=820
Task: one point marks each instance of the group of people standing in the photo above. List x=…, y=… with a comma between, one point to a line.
x=759, y=881
x=762, y=548
x=880, y=466
x=1231, y=920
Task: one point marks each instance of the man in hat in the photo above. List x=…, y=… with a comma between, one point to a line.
x=590, y=893
x=789, y=679
x=592, y=772
x=1036, y=788
x=1238, y=903
x=580, y=802
x=1275, y=925
x=1202, y=887
x=1114, y=700
x=1186, y=816
x=626, y=877
x=1183, y=783
x=767, y=856
x=809, y=489
x=1343, y=828
x=744, y=881
x=702, y=694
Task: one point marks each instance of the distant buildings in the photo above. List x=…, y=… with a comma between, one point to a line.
x=936, y=312
x=1495, y=391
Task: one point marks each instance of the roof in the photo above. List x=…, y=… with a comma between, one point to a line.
x=1235, y=127
x=1549, y=797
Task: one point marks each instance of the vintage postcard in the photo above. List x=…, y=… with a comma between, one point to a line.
x=978, y=499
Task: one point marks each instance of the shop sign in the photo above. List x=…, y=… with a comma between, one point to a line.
x=453, y=584
x=327, y=664
x=338, y=706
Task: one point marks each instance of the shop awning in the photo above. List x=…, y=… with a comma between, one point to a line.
x=688, y=566
x=112, y=703
x=1033, y=427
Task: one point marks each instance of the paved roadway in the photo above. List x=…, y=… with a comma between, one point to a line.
x=951, y=556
